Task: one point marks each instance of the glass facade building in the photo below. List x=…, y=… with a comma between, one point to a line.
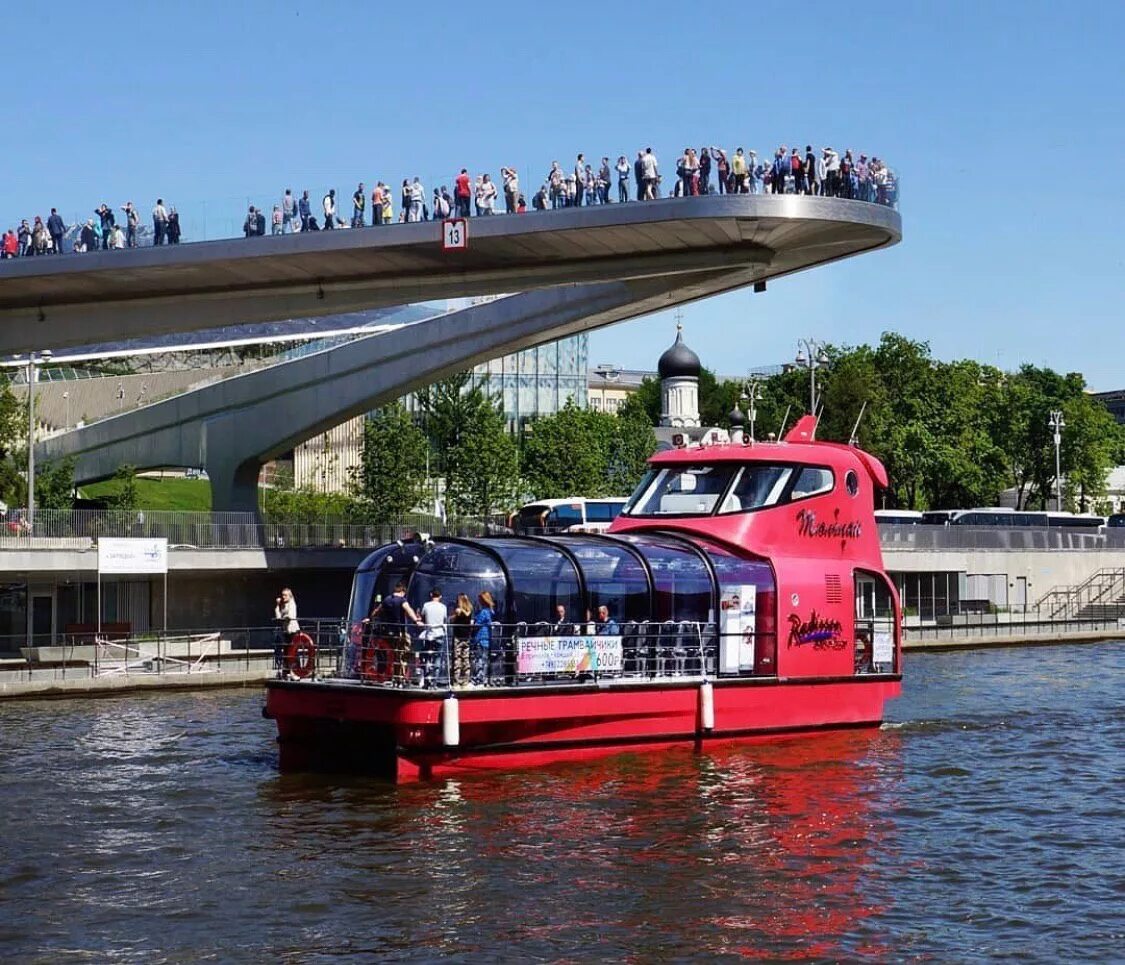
x=538, y=381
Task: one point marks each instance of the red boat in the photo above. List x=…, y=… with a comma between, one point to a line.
x=740, y=595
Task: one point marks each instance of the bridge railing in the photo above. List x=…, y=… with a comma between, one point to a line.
x=80, y=529
x=212, y=219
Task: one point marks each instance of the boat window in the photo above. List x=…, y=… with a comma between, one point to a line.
x=682, y=581
x=686, y=491
x=812, y=481
x=542, y=577
x=614, y=577
x=757, y=486
x=455, y=568
x=376, y=576
x=747, y=621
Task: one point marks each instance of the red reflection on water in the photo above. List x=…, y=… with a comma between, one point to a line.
x=763, y=850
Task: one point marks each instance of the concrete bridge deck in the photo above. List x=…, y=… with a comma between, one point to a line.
x=111, y=295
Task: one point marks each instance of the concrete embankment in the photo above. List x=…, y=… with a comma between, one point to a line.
x=82, y=686
x=978, y=642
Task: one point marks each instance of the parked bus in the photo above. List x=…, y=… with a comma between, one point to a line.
x=1006, y=518
x=898, y=517
x=574, y=515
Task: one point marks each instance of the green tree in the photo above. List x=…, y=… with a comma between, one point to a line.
x=631, y=442
x=482, y=469
x=566, y=454
x=54, y=484
x=306, y=505
x=449, y=409
x=124, y=494
x=391, y=477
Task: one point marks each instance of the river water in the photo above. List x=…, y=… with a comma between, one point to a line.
x=986, y=820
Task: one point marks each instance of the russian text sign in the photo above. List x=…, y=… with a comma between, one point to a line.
x=582, y=654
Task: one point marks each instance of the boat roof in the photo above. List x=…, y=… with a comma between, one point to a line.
x=798, y=446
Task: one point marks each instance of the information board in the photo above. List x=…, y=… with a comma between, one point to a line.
x=121, y=555
x=581, y=654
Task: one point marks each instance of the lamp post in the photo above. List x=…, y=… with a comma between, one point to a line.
x=1057, y=424
x=811, y=355
x=44, y=357
x=751, y=395
x=66, y=399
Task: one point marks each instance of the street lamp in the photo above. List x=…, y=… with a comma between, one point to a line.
x=1057, y=424
x=66, y=399
x=44, y=357
x=811, y=355
x=751, y=395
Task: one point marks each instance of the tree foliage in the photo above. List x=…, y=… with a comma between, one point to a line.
x=951, y=434
x=391, y=477
x=482, y=467
x=580, y=452
x=124, y=494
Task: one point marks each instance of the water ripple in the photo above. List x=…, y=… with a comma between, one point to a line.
x=983, y=821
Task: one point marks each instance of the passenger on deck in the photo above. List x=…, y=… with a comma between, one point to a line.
x=390, y=618
x=285, y=613
x=432, y=640
x=863, y=652
x=562, y=627
x=607, y=626
x=482, y=638
x=462, y=621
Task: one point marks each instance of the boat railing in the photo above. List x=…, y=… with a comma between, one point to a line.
x=529, y=654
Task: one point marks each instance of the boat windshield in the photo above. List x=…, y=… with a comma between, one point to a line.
x=687, y=491
x=701, y=490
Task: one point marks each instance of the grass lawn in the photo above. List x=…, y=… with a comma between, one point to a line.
x=170, y=493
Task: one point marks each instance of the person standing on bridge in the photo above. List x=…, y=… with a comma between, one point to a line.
x=622, y=179
x=463, y=193
x=56, y=227
x=580, y=180
x=329, y=205
x=651, y=174
x=359, y=202
x=417, y=198
x=159, y=222
x=132, y=219
x=288, y=211
x=304, y=210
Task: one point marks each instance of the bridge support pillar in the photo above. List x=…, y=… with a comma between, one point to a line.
x=234, y=487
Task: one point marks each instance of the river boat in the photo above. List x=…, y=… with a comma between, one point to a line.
x=741, y=595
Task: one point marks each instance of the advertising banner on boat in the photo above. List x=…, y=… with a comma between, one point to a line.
x=739, y=616
x=117, y=555
x=884, y=648
x=582, y=654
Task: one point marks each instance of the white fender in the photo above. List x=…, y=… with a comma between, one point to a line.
x=450, y=722
x=707, y=705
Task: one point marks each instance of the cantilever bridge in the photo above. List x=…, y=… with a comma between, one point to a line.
x=578, y=269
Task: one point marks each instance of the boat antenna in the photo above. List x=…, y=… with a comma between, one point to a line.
x=785, y=419
x=854, y=438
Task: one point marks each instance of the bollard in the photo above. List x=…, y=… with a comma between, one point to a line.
x=707, y=706
x=450, y=722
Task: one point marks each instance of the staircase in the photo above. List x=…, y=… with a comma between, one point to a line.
x=1101, y=597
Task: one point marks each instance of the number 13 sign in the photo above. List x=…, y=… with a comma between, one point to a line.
x=454, y=234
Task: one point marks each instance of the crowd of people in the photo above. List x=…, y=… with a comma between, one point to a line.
x=710, y=170
x=105, y=231
x=434, y=647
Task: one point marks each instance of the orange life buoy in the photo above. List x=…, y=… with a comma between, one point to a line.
x=377, y=661
x=300, y=655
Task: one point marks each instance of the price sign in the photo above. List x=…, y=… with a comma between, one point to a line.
x=454, y=234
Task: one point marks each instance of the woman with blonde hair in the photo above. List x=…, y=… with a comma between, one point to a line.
x=285, y=613
x=462, y=622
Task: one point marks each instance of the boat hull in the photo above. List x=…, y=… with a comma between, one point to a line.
x=398, y=733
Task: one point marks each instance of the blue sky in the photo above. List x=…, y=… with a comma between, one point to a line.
x=1003, y=119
